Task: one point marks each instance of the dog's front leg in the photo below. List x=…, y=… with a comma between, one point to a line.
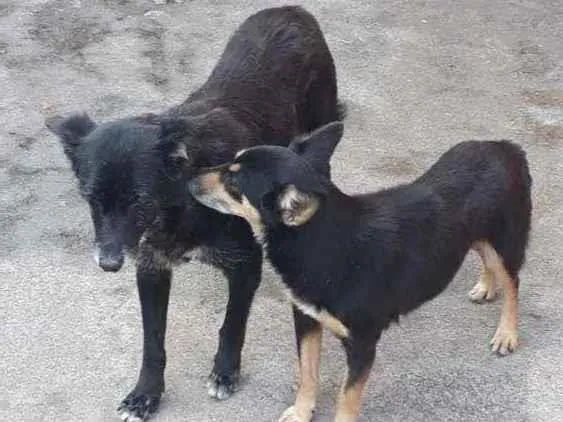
x=244, y=277
x=360, y=354
x=308, y=333
x=153, y=283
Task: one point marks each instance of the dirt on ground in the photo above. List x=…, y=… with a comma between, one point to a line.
x=418, y=77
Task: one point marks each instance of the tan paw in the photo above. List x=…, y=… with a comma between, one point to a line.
x=292, y=414
x=505, y=341
x=483, y=291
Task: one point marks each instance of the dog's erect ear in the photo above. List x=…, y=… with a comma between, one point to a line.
x=295, y=207
x=319, y=145
x=71, y=131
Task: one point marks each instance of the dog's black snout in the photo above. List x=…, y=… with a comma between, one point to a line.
x=111, y=263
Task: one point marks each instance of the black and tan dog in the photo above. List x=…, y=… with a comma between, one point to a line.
x=354, y=264
x=276, y=79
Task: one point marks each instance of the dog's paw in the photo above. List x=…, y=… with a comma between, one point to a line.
x=292, y=414
x=483, y=292
x=222, y=387
x=137, y=407
x=504, y=341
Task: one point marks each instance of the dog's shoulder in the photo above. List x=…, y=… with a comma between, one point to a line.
x=405, y=204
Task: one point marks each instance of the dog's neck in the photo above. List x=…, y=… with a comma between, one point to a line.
x=297, y=252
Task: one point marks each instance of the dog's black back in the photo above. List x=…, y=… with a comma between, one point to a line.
x=275, y=80
x=390, y=251
x=275, y=77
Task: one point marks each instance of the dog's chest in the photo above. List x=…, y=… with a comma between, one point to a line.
x=325, y=318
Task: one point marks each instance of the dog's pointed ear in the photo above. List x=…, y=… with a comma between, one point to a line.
x=319, y=145
x=296, y=207
x=71, y=131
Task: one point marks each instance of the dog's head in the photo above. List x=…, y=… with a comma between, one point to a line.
x=131, y=169
x=269, y=185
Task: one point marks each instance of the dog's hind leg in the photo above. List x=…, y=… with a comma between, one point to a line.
x=486, y=287
x=360, y=354
x=308, y=334
x=504, y=254
x=505, y=339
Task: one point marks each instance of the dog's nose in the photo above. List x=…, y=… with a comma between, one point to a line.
x=111, y=263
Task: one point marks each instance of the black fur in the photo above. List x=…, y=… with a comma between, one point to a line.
x=275, y=80
x=367, y=259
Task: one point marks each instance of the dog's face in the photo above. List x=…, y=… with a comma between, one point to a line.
x=108, y=163
x=129, y=170
x=267, y=185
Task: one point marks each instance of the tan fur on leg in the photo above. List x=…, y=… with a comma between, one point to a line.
x=486, y=288
x=350, y=400
x=505, y=339
x=310, y=355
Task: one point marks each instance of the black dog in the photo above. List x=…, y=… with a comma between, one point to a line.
x=354, y=264
x=276, y=79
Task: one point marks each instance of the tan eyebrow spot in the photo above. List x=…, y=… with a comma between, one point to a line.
x=210, y=181
x=234, y=167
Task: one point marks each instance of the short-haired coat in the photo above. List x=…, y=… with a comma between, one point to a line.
x=275, y=79
x=354, y=264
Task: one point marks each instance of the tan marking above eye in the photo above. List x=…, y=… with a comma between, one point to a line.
x=234, y=167
x=209, y=181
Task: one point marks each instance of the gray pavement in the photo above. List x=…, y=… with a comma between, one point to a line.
x=418, y=76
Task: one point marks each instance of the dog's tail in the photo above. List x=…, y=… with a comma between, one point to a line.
x=513, y=229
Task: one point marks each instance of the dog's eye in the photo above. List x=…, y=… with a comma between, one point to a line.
x=230, y=180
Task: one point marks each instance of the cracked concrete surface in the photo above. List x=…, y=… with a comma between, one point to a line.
x=418, y=76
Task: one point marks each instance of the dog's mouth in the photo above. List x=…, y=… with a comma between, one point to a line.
x=208, y=190
x=109, y=260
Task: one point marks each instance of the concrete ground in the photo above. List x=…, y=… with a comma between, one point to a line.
x=418, y=77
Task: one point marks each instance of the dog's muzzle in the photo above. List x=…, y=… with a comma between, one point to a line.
x=207, y=197
x=110, y=261
x=194, y=186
